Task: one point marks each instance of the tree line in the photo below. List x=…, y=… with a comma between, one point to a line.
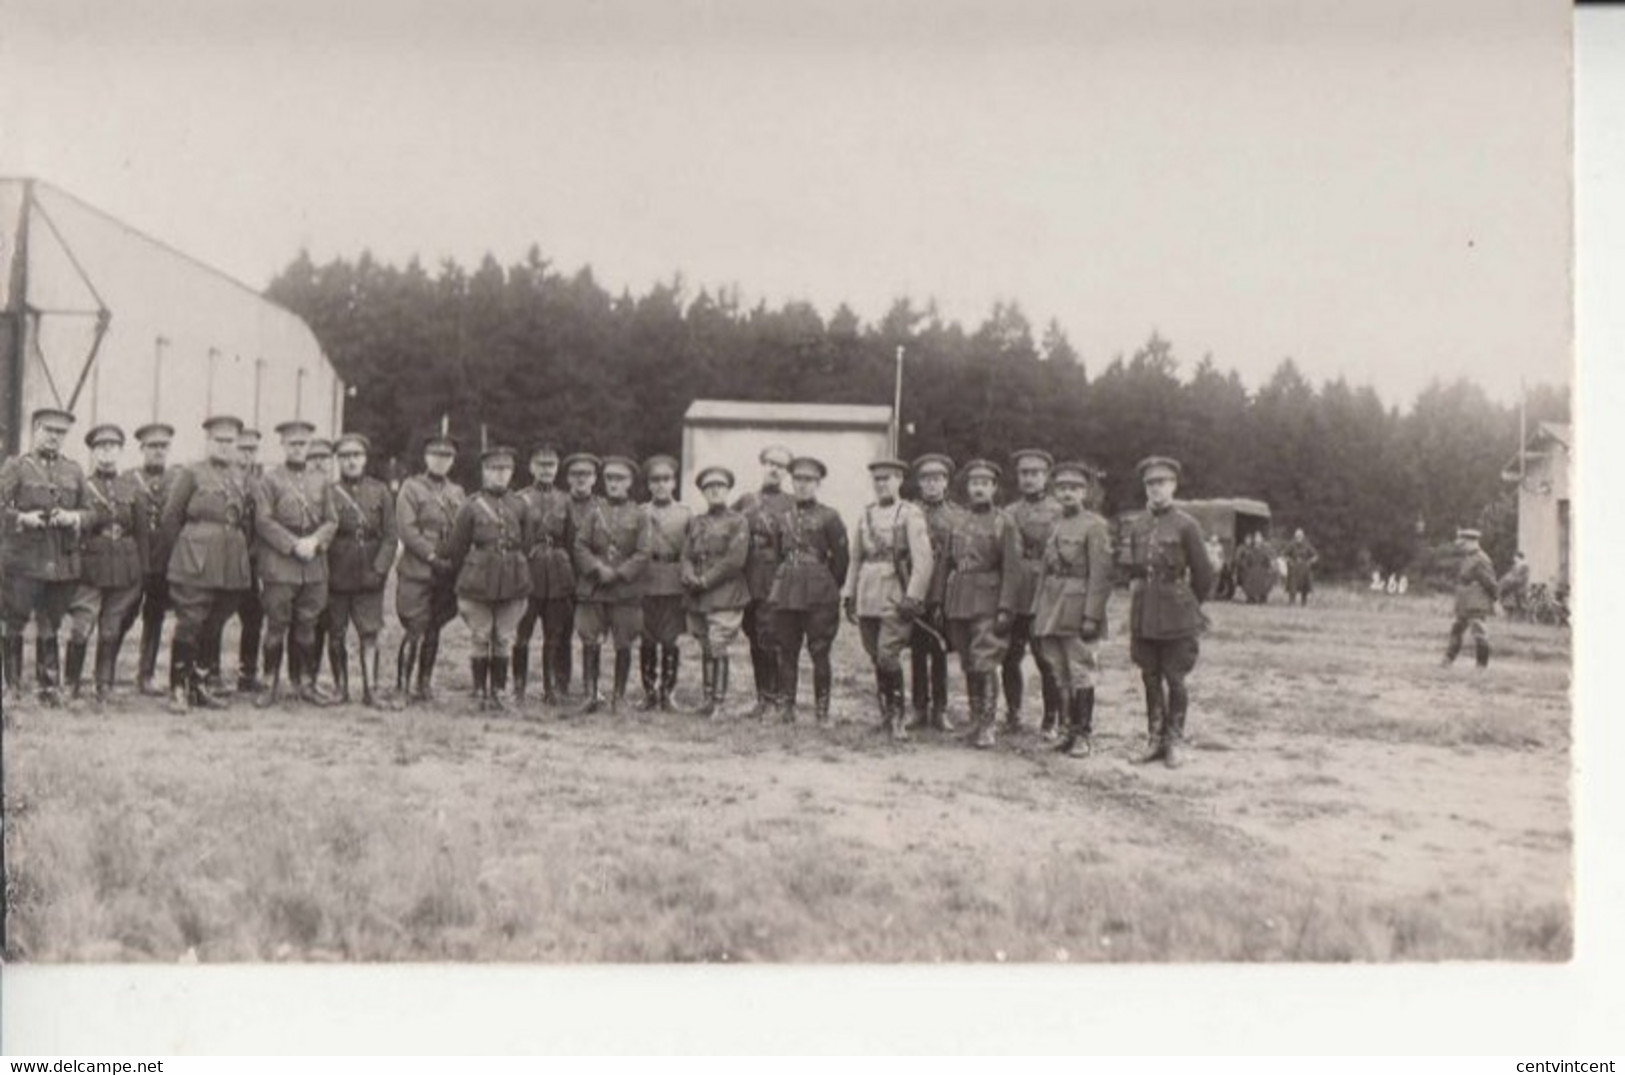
x=531, y=353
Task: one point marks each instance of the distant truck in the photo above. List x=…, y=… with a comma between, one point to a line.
x=116, y=326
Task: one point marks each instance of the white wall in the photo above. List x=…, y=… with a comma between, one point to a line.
x=847, y=453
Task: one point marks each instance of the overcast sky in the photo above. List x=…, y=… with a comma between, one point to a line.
x=1380, y=190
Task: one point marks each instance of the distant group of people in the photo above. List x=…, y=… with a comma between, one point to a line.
x=1256, y=566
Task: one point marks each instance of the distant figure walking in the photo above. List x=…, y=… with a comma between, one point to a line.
x=1301, y=558
x=1475, y=599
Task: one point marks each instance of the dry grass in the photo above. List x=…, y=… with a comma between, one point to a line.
x=419, y=835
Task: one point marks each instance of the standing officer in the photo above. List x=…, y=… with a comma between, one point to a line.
x=204, y=537
x=42, y=510
x=1172, y=577
x=764, y=510
x=358, y=564
x=425, y=599
x=249, y=610
x=664, y=605
x=552, y=580
x=886, y=588
x=1069, y=612
x=928, y=659
x=1475, y=599
x=154, y=478
x=1034, y=514
x=813, y=556
x=295, y=521
x=716, y=548
x=1301, y=558
x=319, y=460
x=486, y=550
x=581, y=476
x=112, y=552
x=979, y=594
x=611, y=555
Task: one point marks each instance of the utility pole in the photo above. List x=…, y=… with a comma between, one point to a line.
x=897, y=407
x=14, y=337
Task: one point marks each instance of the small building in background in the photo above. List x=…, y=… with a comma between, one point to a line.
x=847, y=437
x=116, y=326
x=1541, y=472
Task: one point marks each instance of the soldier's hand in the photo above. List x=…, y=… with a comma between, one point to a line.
x=1089, y=631
x=909, y=609
x=1002, y=623
x=849, y=606
x=31, y=520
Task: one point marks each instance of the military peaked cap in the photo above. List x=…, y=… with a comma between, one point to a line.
x=806, y=464
x=1033, y=453
x=660, y=462
x=544, y=451
x=440, y=442
x=357, y=439
x=104, y=434
x=498, y=453
x=320, y=447
x=296, y=425
x=934, y=462
x=985, y=467
x=1148, y=467
x=776, y=453
x=888, y=464
x=53, y=414
x=620, y=462
x=223, y=420
x=1071, y=474
x=713, y=475
x=583, y=459
x=155, y=433
x=1468, y=534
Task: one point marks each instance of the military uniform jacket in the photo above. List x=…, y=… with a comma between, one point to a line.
x=113, y=548
x=487, y=546
x=1300, y=552
x=154, y=487
x=364, y=543
x=552, y=573
x=668, y=527
x=811, y=547
x=716, y=547
x=940, y=519
x=765, y=512
x=1076, y=577
x=891, y=557
x=205, y=527
x=1172, y=576
x=1475, y=585
x=978, y=565
x=424, y=510
x=290, y=504
x=1033, y=519
x=31, y=482
x=612, y=553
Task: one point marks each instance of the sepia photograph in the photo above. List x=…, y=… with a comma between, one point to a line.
x=833, y=483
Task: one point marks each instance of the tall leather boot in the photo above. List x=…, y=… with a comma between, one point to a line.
x=939, y=690
x=180, y=676
x=623, y=673
x=203, y=696
x=521, y=670
x=1055, y=709
x=480, y=669
x=764, y=667
x=428, y=654
x=1083, y=723
x=550, y=693
x=13, y=666
x=591, y=654
x=1174, y=734
x=1011, y=678
x=406, y=661
x=1155, y=720
x=668, y=676
x=106, y=668
x=74, y=679
x=786, y=683
x=311, y=691
x=565, y=654
x=708, y=688
x=719, y=681
x=897, y=704
x=983, y=708
x=919, y=675
x=1481, y=651
x=270, y=691
x=648, y=672
x=248, y=654
x=499, y=683
x=823, y=684
x=367, y=656
x=882, y=700
x=152, y=636
x=48, y=671
x=338, y=655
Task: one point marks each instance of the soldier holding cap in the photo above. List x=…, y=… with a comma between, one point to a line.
x=1476, y=590
x=154, y=478
x=204, y=536
x=1034, y=515
x=358, y=565
x=716, y=548
x=664, y=602
x=611, y=556
x=425, y=595
x=112, y=551
x=979, y=592
x=581, y=477
x=42, y=511
x=813, y=556
x=552, y=580
x=486, y=548
x=1069, y=611
x=295, y=520
x=1172, y=577
x=764, y=511
x=928, y=658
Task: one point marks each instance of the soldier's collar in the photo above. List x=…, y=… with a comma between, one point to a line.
x=1070, y=510
x=662, y=503
x=886, y=502
x=45, y=453
x=108, y=472
x=153, y=468
x=291, y=465
x=617, y=499
x=716, y=509
x=1033, y=498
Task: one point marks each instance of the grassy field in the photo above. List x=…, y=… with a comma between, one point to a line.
x=1345, y=798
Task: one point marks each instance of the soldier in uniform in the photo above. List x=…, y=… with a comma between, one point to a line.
x=154, y=478
x=552, y=581
x=716, y=547
x=425, y=597
x=320, y=461
x=664, y=604
x=1034, y=514
x=979, y=592
x=1171, y=578
x=249, y=611
x=486, y=549
x=294, y=520
x=204, y=538
x=928, y=657
x=1301, y=558
x=1475, y=599
x=611, y=556
x=887, y=585
x=1069, y=612
x=813, y=556
x=112, y=553
x=581, y=477
x=763, y=511
x=42, y=511
x=358, y=565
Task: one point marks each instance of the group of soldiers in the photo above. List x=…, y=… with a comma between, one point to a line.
x=1257, y=565
x=300, y=555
